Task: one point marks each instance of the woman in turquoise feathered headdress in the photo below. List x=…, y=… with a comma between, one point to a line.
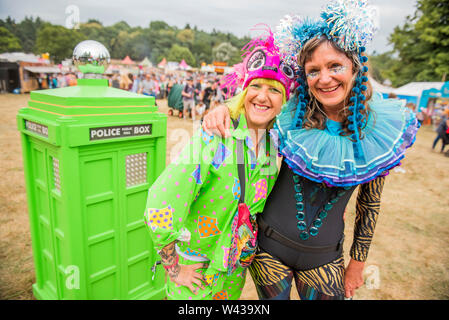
x=334, y=134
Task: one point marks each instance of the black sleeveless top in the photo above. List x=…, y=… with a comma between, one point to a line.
x=280, y=213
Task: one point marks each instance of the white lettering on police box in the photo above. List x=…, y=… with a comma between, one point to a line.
x=119, y=131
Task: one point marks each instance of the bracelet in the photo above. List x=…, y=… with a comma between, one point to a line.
x=168, y=267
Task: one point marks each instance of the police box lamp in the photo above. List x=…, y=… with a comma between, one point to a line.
x=91, y=57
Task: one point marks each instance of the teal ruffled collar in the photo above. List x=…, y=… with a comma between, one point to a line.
x=326, y=156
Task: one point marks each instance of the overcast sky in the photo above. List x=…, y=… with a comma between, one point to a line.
x=235, y=16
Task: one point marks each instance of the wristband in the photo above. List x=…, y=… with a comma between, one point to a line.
x=168, y=267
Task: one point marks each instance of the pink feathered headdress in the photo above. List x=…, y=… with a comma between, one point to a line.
x=261, y=59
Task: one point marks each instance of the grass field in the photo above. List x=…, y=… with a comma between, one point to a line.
x=408, y=259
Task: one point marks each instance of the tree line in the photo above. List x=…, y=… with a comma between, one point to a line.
x=159, y=40
x=420, y=45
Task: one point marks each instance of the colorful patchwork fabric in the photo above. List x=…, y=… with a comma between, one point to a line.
x=222, y=295
x=261, y=190
x=193, y=253
x=207, y=226
x=236, y=189
x=225, y=256
x=220, y=156
x=206, y=138
x=211, y=279
x=160, y=218
x=196, y=174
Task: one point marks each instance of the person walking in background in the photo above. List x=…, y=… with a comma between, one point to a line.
x=115, y=82
x=125, y=82
x=147, y=86
x=188, y=98
x=136, y=83
x=442, y=133
x=208, y=94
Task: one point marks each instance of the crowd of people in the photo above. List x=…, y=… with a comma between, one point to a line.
x=199, y=93
x=57, y=80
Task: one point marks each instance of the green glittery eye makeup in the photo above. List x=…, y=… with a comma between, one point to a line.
x=313, y=74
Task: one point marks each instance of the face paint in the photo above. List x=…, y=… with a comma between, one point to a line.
x=313, y=74
x=338, y=70
x=334, y=70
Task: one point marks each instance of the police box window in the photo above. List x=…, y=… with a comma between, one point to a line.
x=119, y=131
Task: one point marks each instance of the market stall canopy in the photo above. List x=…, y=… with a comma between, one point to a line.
x=128, y=60
x=208, y=68
x=162, y=63
x=416, y=88
x=183, y=65
x=380, y=87
x=146, y=62
x=42, y=69
x=437, y=92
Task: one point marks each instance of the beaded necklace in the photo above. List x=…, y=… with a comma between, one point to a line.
x=313, y=229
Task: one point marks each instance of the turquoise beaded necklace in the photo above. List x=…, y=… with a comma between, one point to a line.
x=314, y=227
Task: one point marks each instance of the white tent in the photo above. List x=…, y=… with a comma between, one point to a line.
x=416, y=88
x=21, y=56
x=380, y=87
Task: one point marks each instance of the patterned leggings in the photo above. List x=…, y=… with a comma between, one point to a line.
x=273, y=279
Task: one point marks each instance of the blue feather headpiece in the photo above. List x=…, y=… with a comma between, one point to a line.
x=350, y=24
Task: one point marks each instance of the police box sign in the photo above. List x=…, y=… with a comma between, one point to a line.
x=37, y=128
x=120, y=131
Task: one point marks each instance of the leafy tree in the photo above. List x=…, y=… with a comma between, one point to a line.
x=422, y=44
x=58, y=41
x=186, y=36
x=177, y=53
x=94, y=30
x=8, y=42
x=381, y=66
x=156, y=41
x=94, y=21
x=25, y=31
x=224, y=52
x=159, y=25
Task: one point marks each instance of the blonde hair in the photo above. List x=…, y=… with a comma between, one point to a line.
x=236, y=104
x=125, y=81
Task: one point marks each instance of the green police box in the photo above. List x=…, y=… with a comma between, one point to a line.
x=90, y=154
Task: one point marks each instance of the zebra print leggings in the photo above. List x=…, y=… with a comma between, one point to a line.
x=273, y=279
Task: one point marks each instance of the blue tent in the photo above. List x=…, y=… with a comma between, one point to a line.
x=433, y=93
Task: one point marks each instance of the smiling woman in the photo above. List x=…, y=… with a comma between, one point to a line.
x=261, y=101
x=331, y=74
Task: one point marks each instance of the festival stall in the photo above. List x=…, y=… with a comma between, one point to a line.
x=25, y=71
x=435, y=97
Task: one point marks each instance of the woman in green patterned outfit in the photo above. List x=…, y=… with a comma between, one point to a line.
x=191, y=208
